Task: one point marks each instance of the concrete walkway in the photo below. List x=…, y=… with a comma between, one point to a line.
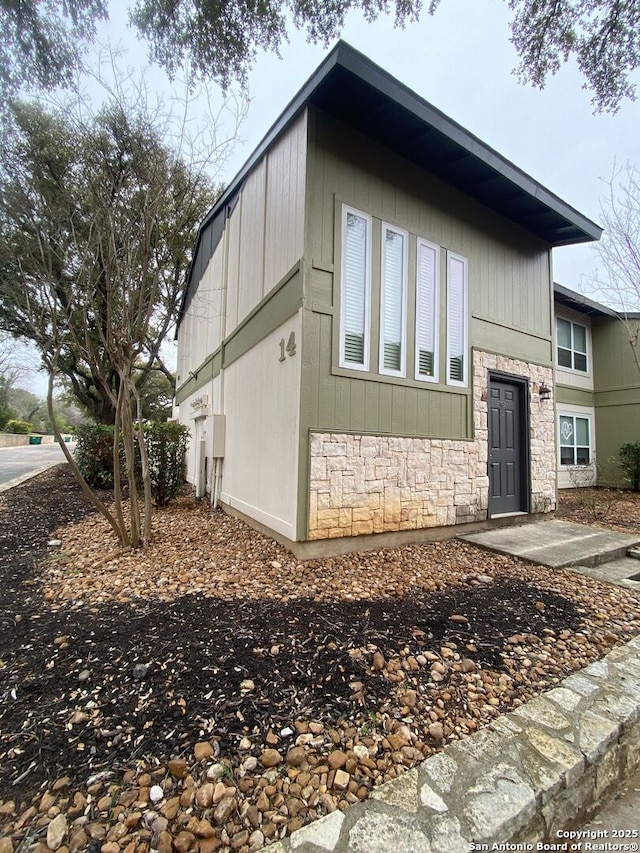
x=622, y=815
x=597, y=553
x=558, y=544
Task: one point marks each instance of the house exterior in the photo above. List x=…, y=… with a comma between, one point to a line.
x=597, y=384
x=368, y=323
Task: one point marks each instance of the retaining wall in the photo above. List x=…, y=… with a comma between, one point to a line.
x=528, y=778
x=8, y=439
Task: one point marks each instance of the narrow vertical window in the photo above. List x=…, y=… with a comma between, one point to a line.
x=393, y=301
x=427, y=278
x=457, y=309
x=355, y=289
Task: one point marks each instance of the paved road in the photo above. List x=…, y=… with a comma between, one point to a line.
x=19, y=462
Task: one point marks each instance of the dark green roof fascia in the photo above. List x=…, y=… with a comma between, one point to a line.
x=574, y=227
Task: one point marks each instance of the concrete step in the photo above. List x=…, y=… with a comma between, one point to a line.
x=624, y=572
x=558, y=544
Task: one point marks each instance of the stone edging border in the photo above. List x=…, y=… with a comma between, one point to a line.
x=544, y=768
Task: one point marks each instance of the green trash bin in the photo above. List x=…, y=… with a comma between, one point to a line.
x=67, y=439
x=35, y=439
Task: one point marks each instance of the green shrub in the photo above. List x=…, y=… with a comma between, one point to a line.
x=630, y=464
x=166, y=445
x=18, y=427
x=94, y=454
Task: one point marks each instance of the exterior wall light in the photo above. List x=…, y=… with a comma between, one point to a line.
x=545, y=392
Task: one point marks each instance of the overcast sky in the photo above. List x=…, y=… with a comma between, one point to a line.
x=461, y=61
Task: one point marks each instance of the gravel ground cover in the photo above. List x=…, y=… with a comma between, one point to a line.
x=212, y=693
x=615, y=509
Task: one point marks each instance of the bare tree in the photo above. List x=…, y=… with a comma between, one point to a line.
x=619, y=251
x=99, y=213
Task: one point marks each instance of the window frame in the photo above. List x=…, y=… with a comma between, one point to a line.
x=421, y=377
x=350, y=365
x=572, y=349
x=575, y=416
x=464, y=382
x=387, y=371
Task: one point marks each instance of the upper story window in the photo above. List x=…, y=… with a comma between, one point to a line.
x=457, y=327
x=362, y=298
x=356, y=290
x=427, y=309
x=571, y=345
x=393, y=302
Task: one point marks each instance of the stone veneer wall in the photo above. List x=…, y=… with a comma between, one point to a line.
x=362, y=484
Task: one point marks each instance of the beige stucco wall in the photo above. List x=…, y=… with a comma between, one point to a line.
x=362, y=484
x=262, y=405
x=200, y=423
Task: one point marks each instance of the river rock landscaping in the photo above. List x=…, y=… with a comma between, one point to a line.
x=212, y=693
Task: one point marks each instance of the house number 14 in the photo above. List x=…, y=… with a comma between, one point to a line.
x=289, y=348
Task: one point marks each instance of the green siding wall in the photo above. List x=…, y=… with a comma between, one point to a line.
x=617, y=388
x=350, y=404
x=573, y=396
x=614, y=365
x=616, y=425
x=509, y=286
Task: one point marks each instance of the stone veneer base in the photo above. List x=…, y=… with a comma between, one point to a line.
x=527, y=778
x=366, y=484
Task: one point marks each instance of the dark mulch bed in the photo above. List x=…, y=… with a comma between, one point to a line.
x=153, y=677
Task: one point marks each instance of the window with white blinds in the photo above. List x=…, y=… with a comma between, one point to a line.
x=457, y=343
x=382, y=305
x=427, y=279
x=393, y=301
x=356, y=287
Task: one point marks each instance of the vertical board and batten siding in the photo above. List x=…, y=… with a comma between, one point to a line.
x=252, y=229
x=200, y=330
x=509, y=286
x=232, y=284
x=263, y=239
x=285, y=202
x=261, y=248
x=617, y=389
x=266, y=228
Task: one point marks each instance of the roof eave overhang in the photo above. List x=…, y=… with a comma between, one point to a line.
x=438, y=144
x=581, y=303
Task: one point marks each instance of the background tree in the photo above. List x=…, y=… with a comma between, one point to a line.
x=157, y=396
x=619, y=251
x=15, y=367
x=42, y=43
x=58, y=176
x=98, y=215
